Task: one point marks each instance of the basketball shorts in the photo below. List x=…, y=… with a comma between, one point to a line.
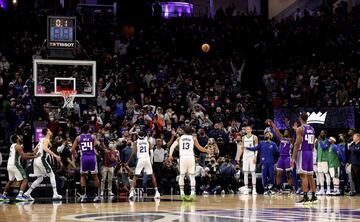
x=187, y=164
x=248, y=164
x=323, y=167
x=88, y=164
x=16, y=172
x=143, y=163
x=41, y=167
x=304, y=164
x=283, y=163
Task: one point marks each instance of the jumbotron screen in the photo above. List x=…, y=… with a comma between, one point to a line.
x=61, y=32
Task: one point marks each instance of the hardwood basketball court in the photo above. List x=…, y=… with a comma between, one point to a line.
x=224, y=208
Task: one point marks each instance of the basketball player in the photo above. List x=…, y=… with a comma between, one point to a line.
x=88, y=163
x=305, y=137
x=334, y=165
x=322, y=147
x=249, y=143
x=42, y=167
x=186, y=144
x=283, y=163
x=15, y=170
x=142, y=150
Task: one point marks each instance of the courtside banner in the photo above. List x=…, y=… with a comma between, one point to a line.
x=324, y=117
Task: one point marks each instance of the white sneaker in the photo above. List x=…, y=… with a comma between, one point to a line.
x=97, y=198
x=131, y=195
x=111, y=194
x=254, y=193
x=246, y=191
x=335, y=193
x=205, y=193
x=83, y=198
x=57, y=196
x=102, y=193
x=157, y=195
x=328, y=192
x=320, y=192
x=28, y=196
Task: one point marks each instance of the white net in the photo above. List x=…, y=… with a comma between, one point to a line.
x=69, y=96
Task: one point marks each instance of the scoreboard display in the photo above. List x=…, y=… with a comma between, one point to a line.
x=61, y=32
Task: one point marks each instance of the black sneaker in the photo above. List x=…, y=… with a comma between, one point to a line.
x=303, y=201
x=314, y=199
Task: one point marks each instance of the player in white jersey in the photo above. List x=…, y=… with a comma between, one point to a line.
x=15, y=170
x=186, y=145
x=42, y=167
x=142, y=150
x=249, y=159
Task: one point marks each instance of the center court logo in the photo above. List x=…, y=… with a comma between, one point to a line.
x=318, y=118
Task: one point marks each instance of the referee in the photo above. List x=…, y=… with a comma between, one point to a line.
x=159, y=156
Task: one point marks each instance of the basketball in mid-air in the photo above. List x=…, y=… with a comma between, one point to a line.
x=205, y=47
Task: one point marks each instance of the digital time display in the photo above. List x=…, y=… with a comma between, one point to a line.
x=61, y=32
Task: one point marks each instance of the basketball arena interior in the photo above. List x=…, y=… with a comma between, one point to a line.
x=170, y=111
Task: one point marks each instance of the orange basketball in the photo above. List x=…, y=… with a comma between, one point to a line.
x=205, y=47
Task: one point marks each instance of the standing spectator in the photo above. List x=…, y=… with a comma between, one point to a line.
x=102, y=100
x=341, y=96
x=126, y=153
x=111, y=157
x=218, y=117
x=159, y=156
x=350, y=141
x=213, y=150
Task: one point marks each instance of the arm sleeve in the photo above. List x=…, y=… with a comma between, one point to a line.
x=275, y=135
x=254, y=148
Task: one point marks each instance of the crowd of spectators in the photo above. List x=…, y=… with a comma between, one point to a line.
x=152, y=76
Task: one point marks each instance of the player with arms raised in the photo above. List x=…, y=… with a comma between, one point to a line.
x=303, y=151
x=88, y=163
x=186, y=144
x=41, y=166
x=283, y=163
x=141, y=149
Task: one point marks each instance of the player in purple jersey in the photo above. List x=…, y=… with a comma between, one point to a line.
x=303, y=151
x=86, y=143
x=283, y=163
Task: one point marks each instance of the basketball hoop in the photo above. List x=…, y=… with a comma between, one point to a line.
x=69, y=96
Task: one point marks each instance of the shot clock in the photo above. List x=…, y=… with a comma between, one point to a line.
x=61, y=32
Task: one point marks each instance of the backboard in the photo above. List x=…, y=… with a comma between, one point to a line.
x=53, y=76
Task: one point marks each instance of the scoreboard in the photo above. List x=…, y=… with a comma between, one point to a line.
x=61, y=32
